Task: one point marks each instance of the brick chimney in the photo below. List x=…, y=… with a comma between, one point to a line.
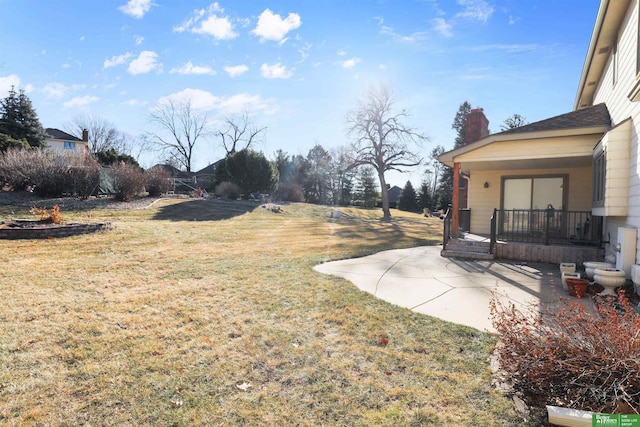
x=477, y=126
x=85, y=135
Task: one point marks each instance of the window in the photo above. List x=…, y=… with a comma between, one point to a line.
x=598, y=178
x=69, y=145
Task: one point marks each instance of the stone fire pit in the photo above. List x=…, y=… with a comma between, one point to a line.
x=34, y=229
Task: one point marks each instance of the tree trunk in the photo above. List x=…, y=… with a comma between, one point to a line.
x=385, y=196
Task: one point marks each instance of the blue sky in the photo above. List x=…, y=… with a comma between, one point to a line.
x=298, y=67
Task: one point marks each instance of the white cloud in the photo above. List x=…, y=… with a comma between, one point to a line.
x=116, y=60
x=59, y=90
x=239, y=103
x=54, y=90
x=210, y=22
x=200, y=99
x=475, y=10
x=7, y=82
x=80, y=101
x=275, y=71
x=272, y=27
x=189, y=68
x=144, y=63
x=411, y=38
x=132, y=102
x=341, y=52
x=136, y=8
x=350, y=63
x=66, y=65
x=230, y=105
x=219, y=28
x=443, y=27
x=236, y=70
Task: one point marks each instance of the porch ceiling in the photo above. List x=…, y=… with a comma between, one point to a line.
x=540, y=163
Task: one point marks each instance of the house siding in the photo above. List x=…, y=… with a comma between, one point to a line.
x=549, y=148
x=621, y=108
x=484, y=200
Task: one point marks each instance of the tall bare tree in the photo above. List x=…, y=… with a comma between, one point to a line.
x=103, y=134
x=182, y=127
x=381, y=139
x=240, y=133
x=513, y=122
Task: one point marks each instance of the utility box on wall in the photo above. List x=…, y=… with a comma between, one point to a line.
x=626, y=249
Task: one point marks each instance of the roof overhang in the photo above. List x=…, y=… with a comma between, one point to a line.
x=529, y=157
x=603, y=38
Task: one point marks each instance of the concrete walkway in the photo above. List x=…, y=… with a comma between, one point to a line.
x=451, y=289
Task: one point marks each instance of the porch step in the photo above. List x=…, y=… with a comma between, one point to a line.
x=458, y=248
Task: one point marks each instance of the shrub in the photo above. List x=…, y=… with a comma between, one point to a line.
x=14, y=168
x=291, y=192
x=51, y=216
x=575, y=358
x=157, y=181
x=228, y=190
x=49, y=173
x=129, y=181
x=84, y=175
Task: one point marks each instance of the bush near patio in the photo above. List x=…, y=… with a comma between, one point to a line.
x=205, y=312
x=574, y=358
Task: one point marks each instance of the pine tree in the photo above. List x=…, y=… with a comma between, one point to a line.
x=445, y=188
x=424, y=196
x=19, y=120
x=408, y=198
x=366, y=191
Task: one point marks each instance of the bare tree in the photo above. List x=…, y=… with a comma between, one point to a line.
x=513, y=122
x=103, y=134
x=182, y=127
x=381, y=140
x=240, y=133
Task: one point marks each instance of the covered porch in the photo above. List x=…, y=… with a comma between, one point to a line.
x=530, y=189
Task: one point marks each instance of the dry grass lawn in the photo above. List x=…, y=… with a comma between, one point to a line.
x=209, y=313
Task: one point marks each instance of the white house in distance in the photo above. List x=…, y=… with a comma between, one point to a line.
x=571, y=180
x=62, y=142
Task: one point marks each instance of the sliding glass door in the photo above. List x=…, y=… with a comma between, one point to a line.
x=528, y=202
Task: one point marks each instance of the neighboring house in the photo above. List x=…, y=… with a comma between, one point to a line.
x=187, y=182
x=583, y=165
x=394, y=195
x=62, y=142
x=206, y=176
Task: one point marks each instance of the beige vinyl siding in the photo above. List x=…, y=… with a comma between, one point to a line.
x=621, y=108
x=535, y=149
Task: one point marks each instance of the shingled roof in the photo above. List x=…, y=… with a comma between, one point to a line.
x=596, y=115
x=58, y=134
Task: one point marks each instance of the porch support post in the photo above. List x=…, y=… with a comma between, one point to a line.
x=455, y=201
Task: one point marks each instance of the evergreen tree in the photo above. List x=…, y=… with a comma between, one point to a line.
x=366, y=191
x=424, y=196
x=408, y=198
x=251, y=171
x=444, y=193
x=19, y=120
x=111, y=156
x=317, y=183
x=6, y=143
